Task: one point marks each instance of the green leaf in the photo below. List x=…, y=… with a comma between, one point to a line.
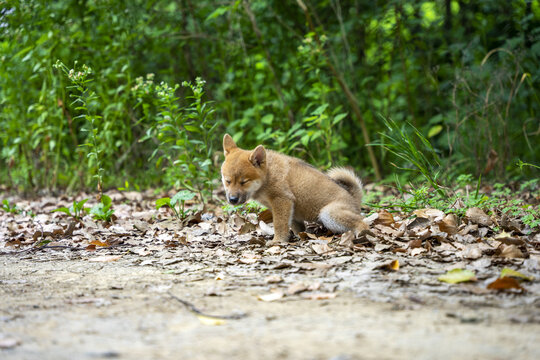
x=507, y=272
x=182, y=196
x=267, y=119
x=106, y=201
x=435, y=130
x=62, y=209
x=163, y=202
x=218, y=12
x=192, y=128
x=320, y=109
x=457, y=275
x=338, y=118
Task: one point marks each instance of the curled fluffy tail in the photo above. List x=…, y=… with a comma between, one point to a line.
x=347, y=179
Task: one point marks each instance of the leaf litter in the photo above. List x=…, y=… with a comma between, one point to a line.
x=427, y=253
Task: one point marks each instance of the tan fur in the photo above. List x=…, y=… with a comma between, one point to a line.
x=293, y=190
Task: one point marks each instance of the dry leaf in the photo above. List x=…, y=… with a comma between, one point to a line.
x=508, y=239
x=99, y=243
x=9, y=342
x=208, y=320
x=413, y=244
x=504, y=283
x=266, y=230
x=106, y=258
x=273, y=279
x=319, y=296
x=510, y=251
x=432, y=214
x=471, y=252
x=417, y=251
x=273, y=296
x=297, y=288
x=449, y=224
x=322, y=249
x=265, y=216
x=384, y=218
x=247, y=228
x=478, y=216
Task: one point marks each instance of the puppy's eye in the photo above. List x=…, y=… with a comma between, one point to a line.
x=228, y=182
x=244, y=182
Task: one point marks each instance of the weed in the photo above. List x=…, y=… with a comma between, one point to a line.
x=8, y=208
x=244, y=209
x=185, y=135
x=103, y=210
x=421, y=156
x=83, y=99
x=76, y=210
x=177, y=203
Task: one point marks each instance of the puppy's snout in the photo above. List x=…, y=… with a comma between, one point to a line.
x=234, y=199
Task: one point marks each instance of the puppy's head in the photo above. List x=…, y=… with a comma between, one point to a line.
x=243, y=171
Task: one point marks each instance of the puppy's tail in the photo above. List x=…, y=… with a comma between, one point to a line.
x=348, y=180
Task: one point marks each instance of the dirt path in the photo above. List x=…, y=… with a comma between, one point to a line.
x=67, y=307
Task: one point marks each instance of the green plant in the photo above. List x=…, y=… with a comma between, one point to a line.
x=8, y=208
x=76, y=210
x=84, y=101
x=177, y=203
x=244, y=209
x=416, y=151
x=103, y=210
x=522, y=164
x=185, y=134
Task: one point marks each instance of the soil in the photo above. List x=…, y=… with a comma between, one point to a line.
x=64, y=306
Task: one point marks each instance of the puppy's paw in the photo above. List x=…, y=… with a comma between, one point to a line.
x=275, y=241
x=361, y=229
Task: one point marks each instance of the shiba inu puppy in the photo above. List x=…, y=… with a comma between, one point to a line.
x=293, y=190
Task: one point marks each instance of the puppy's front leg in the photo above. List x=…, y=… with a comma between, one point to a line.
x=282, y=211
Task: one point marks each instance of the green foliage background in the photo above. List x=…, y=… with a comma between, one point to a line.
x=463, y=72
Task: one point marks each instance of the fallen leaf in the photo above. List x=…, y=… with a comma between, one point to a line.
x=449, y=224
x=347, y=239
x=507, y=272
x=457, y=275
x=510, y=252
x=266, y=216
x=106, y=258
x=394, y=265
x=432, y=214
x=99, y=243
x=478, y=216
x=417, y=251
x=471, y=252
x=416, y=243
x=272, y=296
x=208, y=320
x=247, y=228
x=297, y=288
x=384, y=218
x=319, y=296
x=508, y=239
x=273, y=279
x=322, y=249
x=504, y=283
x=266, y=229
x=9, y=342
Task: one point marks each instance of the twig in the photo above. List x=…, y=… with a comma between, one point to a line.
x=196, y=311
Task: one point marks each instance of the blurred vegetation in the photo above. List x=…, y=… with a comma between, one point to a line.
x=317, y=79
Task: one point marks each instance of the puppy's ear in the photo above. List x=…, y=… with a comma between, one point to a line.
x=258, y=156
x=228, y=144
